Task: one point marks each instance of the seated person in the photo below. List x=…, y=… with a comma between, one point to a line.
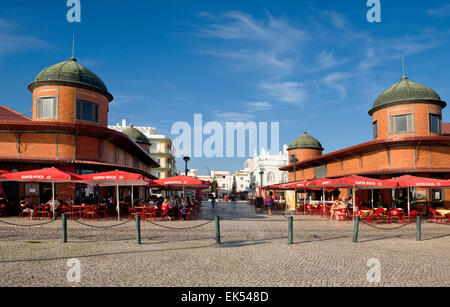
x=26, y=207
x=341, y=211
x=165, y=208
x=184, y=208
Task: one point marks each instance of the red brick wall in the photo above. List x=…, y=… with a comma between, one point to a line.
x=67, y=103
x=421, y=113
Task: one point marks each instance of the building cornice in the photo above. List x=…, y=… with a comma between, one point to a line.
x=370, y=146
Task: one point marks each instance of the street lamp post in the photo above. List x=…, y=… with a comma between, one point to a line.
x=186, y=159
x=261, y=173
x=294, y=161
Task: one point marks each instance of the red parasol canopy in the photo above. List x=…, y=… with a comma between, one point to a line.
x=414, y=181
x=183, y=182
x=42, y=175
x=353, y=182
x=117, y=177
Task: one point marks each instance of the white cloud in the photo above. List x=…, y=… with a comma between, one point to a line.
x=259, y=106
x=290, y=92
x=11, y=41
x=441, y=12
x=270, y=43
x=233, y=116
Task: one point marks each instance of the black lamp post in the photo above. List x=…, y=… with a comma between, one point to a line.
x=261, y=173
x=186, y=159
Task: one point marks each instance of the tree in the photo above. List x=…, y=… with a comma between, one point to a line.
x=214, y=186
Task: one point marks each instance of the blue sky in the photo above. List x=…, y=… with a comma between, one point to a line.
x=309, y=65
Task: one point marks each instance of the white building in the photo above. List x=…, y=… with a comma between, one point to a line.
x=269, y=165
x=242, y=181
x=161, y=149
x=224, y=180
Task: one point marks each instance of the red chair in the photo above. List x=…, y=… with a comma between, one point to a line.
x=379, y=216
x=42, y=212
x=364, y=216
x=149, y=213
x=309, y=209
x=187, y=215
x=394, y=215
x=411, y=217
x=27, y=212
x=90, y=212
x=437, y=216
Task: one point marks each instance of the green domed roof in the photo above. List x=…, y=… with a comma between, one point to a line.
x=305, y=141
x=136, y=135
x=406, y=90
x=71, y=72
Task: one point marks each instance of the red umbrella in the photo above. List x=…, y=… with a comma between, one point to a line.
x=43, y=175
x=414, y=181
x=183, y=182
x=353, y=182
x=408, y=181
x=116, y=178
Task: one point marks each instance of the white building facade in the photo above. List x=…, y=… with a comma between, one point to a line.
x=161, y=149
x=268, y=165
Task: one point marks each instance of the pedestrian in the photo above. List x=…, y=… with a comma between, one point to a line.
x=213, y=201
x=269, y=203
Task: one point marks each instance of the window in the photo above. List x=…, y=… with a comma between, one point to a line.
x=401, y=124
x=435, y=123
x=270, y=177
x=135, y=162
x=375, y=129
x=46, y=108
x=320, y=171
x=87, y=111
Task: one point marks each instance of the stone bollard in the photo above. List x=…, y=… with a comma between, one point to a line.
x=419, y=228
x=217, y=230
x=64, y=228
x=138, y=229
x=290, y=229
x=356, y=229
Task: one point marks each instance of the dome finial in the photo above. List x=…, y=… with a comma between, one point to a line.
x=73, y=48
x=403, y=67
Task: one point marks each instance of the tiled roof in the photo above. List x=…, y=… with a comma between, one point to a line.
x=7, y=114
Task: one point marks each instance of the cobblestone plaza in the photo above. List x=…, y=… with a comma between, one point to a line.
x=254, y=253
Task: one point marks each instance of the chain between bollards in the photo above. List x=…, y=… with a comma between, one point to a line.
x=64, y=228
x=290, y=229
x=217, y=229
x=138, y=229
x=356, y=229
x=419, y=228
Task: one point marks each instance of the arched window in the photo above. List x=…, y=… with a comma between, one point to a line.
x=270, y=177
x=285, y=177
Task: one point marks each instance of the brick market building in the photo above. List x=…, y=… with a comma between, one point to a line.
x=68, y=130
x=408, y=138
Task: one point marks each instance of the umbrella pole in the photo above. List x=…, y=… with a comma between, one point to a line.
x=53, y=199
x=354, y=205
x=372, y=198
x=132, y=197
x=117, y=202
x=304, y=202
x=409, y=203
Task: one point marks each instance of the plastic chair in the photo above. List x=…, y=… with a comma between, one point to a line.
x=437, y=216
x=379, y=216
x=364, y=216
x=90, y=212
x=26, y=212
x=394, y=215
x=411, y=217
